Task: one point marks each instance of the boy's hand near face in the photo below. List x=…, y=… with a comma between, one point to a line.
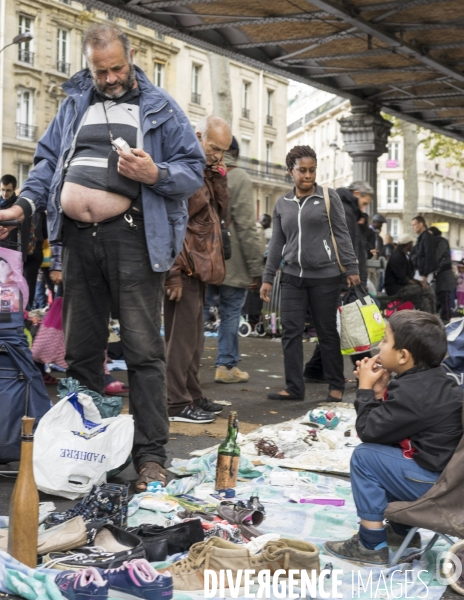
x=372, y=376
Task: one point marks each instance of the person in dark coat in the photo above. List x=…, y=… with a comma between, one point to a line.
x=423, y=255
x=399, y=278
x=445, y=280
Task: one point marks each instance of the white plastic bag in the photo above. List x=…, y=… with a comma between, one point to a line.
x=74, y=447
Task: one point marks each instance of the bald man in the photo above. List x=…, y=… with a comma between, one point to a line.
x=201, y=262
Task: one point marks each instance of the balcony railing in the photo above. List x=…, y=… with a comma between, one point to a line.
x=265, y=170
x=269, y=120
x=26, y=132
x=246, y=113
x=63, y=67
x=25, y=56
x=196, y=98
x=448, y=206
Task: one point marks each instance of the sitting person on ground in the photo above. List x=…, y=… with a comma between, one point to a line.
x=399, y=278
x=410, y=429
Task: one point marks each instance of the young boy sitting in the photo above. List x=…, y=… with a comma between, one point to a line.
x=410, y=430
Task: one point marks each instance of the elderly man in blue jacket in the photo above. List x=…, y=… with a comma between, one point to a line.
x=120, y=209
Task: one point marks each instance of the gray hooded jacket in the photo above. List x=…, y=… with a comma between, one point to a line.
x=301, y=238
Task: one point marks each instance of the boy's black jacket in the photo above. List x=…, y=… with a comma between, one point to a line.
x=422, y=405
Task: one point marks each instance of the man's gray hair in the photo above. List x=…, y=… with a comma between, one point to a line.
x=104, y=34
x=211, y=122
x=362, y=187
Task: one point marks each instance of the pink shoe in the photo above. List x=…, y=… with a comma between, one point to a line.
x=115, y=388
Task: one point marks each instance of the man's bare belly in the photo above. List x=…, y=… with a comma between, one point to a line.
x=89, y=205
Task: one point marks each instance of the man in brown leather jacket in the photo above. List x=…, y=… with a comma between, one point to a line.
x=200, y=262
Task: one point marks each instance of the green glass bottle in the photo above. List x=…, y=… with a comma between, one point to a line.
x=228, y=456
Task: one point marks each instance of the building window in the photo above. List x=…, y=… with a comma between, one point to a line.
x=159, y=74
x=65, y=1
x=267, y=204
x=131, y=24
x=394, y=151
x=110, y=17
x=196, y=94
x=23, y=172
x=62, y=55
x=393, y=228
x=245, y=100
x=268, y=152
x=25, y=129
x=25, y=49
x=448, y=192
x=159, y=35
x=270, y=95
x=392, y=191
x=245, y=148
x=438, y=189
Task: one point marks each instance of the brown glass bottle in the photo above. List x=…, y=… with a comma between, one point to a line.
x=24, y=504
x=228, y=459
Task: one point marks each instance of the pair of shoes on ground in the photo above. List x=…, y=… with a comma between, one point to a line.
x=106, y=502
x=232, y=375
x=218, y=554
x=353, y=550
x=135, y=579
x=106, y=547
x=201, y=411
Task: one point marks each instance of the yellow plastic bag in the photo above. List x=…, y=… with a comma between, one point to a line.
x=361, y=324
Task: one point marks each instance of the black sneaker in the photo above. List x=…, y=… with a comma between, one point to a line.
x=353, y=551
x=208, y=405
x=193, y=414
x=111, y=547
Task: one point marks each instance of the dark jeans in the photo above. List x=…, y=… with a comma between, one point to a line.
x=106, y=268
x=183, y=326
x=323, y=301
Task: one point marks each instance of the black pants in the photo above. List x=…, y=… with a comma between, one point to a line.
x=444, y=304
x=183, y=326
x=31, y=270
x=107, y=267
x=323, y=301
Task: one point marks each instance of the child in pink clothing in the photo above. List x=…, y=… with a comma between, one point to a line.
x=460, y=284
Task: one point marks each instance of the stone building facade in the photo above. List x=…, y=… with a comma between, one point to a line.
x=31, y=75
x=313, y=118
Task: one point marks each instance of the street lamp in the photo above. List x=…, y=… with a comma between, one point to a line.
x=18, y=39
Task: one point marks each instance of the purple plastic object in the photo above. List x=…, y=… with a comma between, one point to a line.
x=328, y=501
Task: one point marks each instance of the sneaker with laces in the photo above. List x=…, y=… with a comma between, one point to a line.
x=138, y=579
x=208, y=405
x=353, y=551
x=218, y=554
x=111, y=547
x=233, y=375
x=193, y=414
x=86, y=584
x=107, y=501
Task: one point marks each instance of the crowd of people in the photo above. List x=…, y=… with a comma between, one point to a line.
x=147, y=228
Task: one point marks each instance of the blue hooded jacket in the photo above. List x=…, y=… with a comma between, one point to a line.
x=168, y=138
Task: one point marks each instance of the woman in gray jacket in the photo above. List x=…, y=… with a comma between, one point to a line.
x=311, y=275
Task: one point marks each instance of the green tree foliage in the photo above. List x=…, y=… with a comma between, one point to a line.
x=440, y=146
